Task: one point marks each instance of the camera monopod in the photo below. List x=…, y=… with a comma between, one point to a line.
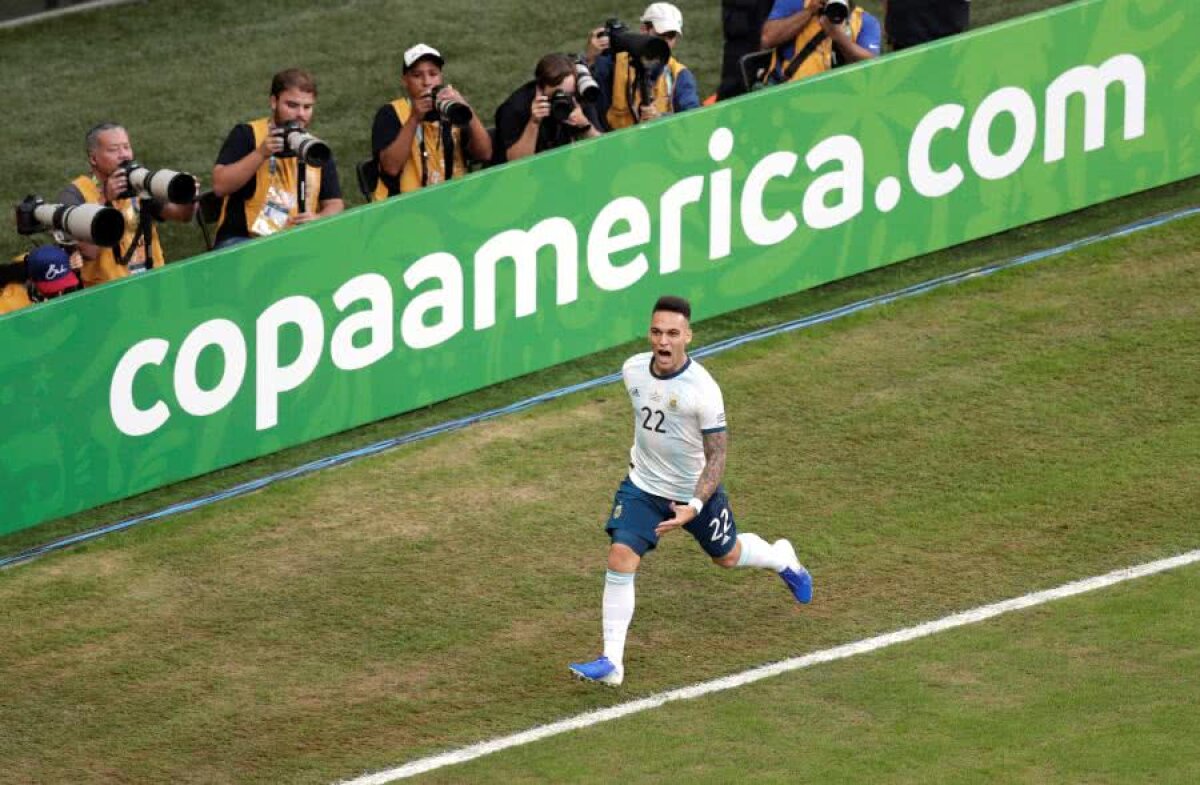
x=301, y=185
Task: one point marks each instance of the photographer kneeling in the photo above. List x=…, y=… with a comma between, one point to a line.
x=545, y=113
x=812, y=36
x=110, y=157
x=418, y=140
x=258, y=169
x=639, y=80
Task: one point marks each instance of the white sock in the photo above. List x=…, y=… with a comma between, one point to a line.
x=618, y=612
x=757, y=552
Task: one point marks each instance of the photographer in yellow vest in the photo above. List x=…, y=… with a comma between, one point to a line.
x=258, y=169
x=45, y=273
x=812, y=36
x=108, y=149
x=420, y=139
x=624, y=99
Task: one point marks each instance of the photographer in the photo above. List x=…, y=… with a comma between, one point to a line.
x=108, y=150
x=545, y=113
x=914, y=22
x=624, y=75
x=812, y=36
x=413, y=141
x=741, y=27
x=46, y=272
x=257, y=170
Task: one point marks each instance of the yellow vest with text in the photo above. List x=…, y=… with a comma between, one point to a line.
x=106, y=265
x=619, y=114
x=821, y=58
x=426, y=164
x=283, y=171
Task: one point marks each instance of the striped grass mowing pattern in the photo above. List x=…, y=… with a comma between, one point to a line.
x=745, y=678
x=1003, y=436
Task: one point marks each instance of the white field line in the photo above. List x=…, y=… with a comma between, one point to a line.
x=577, y=722
x=71, y=9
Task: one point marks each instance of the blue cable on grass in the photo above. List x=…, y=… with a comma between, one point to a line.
x=527, y=403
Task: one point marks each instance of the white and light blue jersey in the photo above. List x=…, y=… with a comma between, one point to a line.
x=670, y=417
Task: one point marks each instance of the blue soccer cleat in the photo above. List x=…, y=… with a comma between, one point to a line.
x=601, y=670
x=795, y=576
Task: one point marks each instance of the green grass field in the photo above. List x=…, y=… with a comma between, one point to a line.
x=995, y=438
x=1008, y=435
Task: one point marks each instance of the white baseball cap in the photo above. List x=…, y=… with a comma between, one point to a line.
x=422, y=52
x=664, y=18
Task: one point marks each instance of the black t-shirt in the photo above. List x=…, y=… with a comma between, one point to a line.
x=238, y=145
x=513, y=115
x=741, y=23
x=912, y=22
x=384, y=131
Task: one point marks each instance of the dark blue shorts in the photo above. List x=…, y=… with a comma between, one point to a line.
x=635, y=513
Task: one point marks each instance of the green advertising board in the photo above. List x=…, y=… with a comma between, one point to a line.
x=398, y=304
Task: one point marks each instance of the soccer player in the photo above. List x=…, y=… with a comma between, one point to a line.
x=678, y=453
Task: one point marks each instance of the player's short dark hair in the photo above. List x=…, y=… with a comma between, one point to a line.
x=669, y=302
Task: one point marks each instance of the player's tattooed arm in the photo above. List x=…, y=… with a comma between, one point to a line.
x=714, y=464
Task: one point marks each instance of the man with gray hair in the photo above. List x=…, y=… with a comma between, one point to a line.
x=108, y=148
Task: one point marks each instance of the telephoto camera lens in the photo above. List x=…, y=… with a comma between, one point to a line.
x=305, y=146
x=162, y=184
x=454, y=111
x=585, y=85
x=88, y=223
x=644, y=50
x=836, y=11
x=561, y=105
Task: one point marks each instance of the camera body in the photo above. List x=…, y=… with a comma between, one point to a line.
x=299, y=143
x=88, y=223
x=448, y=109
x=562, y=104
x=614, y=26
x=836, y=11
x=165, y=185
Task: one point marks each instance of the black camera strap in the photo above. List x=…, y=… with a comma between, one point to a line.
x=142, y=236
x=794, y=64
x=447, y=150
x=301, y=186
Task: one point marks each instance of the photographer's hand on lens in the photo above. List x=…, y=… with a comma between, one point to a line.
x=301, y=218
x=649, y=112
x=577, y=119
x=448, y=92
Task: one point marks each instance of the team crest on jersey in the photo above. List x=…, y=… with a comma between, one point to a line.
x=617, y=511
x=673, y=403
